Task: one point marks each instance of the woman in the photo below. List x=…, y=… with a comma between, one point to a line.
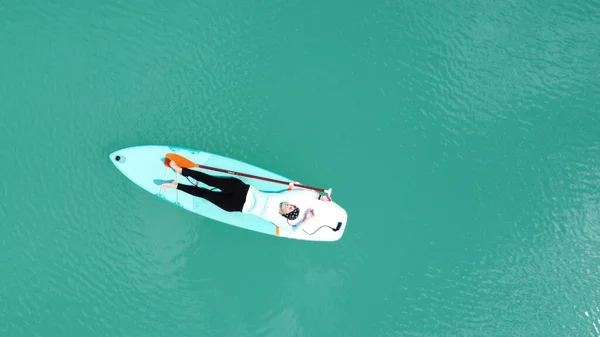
x=288, y=210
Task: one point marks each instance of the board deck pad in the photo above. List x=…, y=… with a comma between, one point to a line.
x=145, y=166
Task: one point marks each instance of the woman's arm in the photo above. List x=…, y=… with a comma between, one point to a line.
x=302, y=193
x=307, y=217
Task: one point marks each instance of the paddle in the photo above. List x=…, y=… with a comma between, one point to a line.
x=186, y=163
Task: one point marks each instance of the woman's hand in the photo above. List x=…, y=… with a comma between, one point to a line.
x=325, y=198
x=309, y=215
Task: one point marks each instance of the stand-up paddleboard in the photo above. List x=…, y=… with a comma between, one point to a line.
x=147, y=167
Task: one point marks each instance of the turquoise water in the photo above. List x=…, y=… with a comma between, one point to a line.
x=462, y=138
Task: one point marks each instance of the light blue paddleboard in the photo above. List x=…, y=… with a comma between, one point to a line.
x=144, y=166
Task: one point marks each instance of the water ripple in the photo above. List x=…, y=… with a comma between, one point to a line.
x=487, y=109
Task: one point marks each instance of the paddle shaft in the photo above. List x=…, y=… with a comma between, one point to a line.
x=257, y=177
x=184, y=162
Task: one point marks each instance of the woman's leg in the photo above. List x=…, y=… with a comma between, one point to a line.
x=225, y=184
x=229, y=202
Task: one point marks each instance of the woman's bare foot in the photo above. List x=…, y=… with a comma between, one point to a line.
x=175, y=167
x=172, y=184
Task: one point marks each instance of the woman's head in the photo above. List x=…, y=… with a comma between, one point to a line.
x=288, y=211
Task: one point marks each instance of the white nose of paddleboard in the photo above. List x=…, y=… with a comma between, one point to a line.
x=116, y=158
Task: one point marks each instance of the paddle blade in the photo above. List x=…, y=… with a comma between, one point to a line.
x=179, y=160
